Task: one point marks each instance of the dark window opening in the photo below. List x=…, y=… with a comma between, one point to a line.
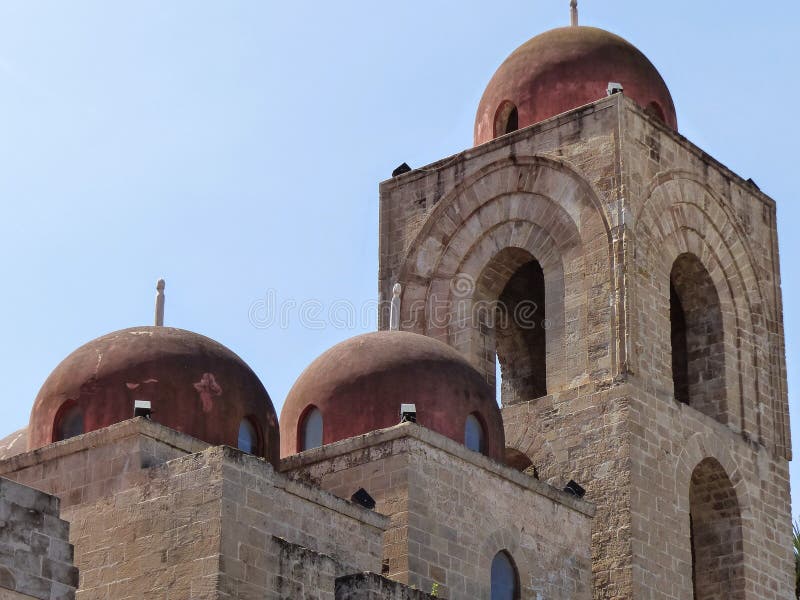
x=69, y=422
x=680, y=364
x=506, y=119
x=715, y=525
x=512, y=124
x=521, y=336
x=697, y=340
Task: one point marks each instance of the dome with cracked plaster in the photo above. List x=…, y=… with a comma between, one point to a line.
x=195, y=385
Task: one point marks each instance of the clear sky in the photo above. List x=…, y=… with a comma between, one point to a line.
x=235, y=149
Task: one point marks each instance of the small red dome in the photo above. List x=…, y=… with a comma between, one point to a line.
x=563, y=69
x=358, y=386
x=195, y=385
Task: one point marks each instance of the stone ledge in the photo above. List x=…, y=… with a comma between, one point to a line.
x=507, y=139
x=103, y=437
x=29, y=498
x=310, y=494
x=618, y=101
x=431, y=438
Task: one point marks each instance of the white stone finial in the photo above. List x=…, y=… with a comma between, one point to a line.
x=573, y=5
x=160, y=302
x=394, y=310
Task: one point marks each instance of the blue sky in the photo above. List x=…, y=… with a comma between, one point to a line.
x=236, y=147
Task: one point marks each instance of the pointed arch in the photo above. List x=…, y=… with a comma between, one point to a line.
x=715, y=526
x=712, y=449
x=683, y=214
x=501, y=540
x=697, y=338
x=537, y=206
x=697, y=448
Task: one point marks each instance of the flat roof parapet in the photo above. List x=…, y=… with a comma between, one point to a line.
x=416, y=432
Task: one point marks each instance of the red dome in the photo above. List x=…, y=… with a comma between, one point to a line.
x=195, y=385
x=359, y=385
x=563, y=69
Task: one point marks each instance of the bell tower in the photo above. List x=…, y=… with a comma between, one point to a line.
x=627, y=285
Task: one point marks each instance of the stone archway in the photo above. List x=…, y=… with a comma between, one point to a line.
x=715, y=525
x=544, y=209
x=698, y=339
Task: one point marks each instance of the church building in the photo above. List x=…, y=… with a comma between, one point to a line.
x=618, y=285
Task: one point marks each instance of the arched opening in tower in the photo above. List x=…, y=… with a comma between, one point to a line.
x=697, y=340
x=715, y=525
x=520, y=335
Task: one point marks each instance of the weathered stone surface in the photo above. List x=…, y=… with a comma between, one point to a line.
x=369, y=586
x=676, y=452
x=35, y=556
x=452, y=510
x=609, y=201
x=158, y=510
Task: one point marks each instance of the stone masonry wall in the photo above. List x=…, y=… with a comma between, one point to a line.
x=606, y=199
x=669, y=441
x=36, y=559
x=681, y=202
x=553, y=191
x=258, y=504
x=584, y=435
x=202, y=525
x=163, y=533
x=369, y=586
x=452, y=510
x=302, y=573
x=549, y=192
x=85, y=468
x=653, y=445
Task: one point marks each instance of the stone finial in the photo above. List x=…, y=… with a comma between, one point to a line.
x=394, y=310
x=160, y=302
x=573, y=5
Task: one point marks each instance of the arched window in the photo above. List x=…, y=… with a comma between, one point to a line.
x=248, y=437
x=473, y=434
x=506, y=119
x=505, y=580
x=698, y=344
x=311, y=429
x=715, y=526
x=521, y=335
x=69, y=422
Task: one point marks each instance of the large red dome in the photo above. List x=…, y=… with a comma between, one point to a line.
x=358, y=386
x=195, y=385
x=563, y=69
